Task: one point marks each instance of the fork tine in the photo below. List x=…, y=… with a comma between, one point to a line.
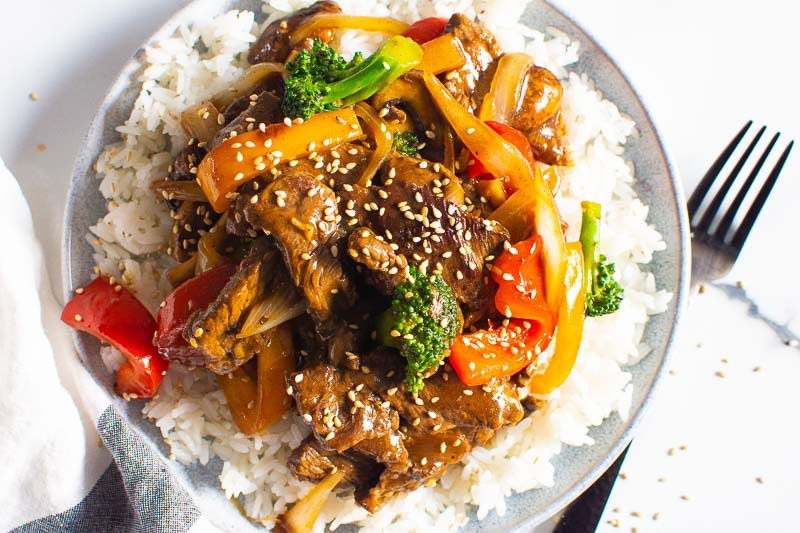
x=730, y=214
x=747, y=224
x=713, y=207
x=705, y=184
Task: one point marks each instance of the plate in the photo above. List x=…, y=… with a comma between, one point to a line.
x=576, y=467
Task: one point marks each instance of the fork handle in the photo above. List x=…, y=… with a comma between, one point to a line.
x=584, y=514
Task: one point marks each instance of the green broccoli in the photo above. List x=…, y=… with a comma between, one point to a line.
x=603, y=293
x=422, y=322
x=321, y=80
x=405, y=143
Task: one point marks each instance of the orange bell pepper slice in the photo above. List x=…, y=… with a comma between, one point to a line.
x=247, y=155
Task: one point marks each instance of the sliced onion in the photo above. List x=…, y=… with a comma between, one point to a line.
x=201, y=121
x=247, y=82
x=182, y=271
x=385, y=25
x=207, y=255
x=301, y=517
x=508, y=88
x=179, y=190
x=275, y=309
x=377, y=128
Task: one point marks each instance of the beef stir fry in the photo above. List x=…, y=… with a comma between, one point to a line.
x=374, y=243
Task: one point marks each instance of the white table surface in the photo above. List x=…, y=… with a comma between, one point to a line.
x=704, y=68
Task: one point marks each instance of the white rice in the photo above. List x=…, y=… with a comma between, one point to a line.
x=190, y=409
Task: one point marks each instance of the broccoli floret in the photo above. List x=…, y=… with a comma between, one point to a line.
x=422, y=322
x=405, y=143
x=603, y=293
x=321, y=80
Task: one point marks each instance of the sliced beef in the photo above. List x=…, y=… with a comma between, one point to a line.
x=344, y=415
x=264, y=109
x=385, y=269
x=213, y=331
x=274, y=44
x=430, y=232
x=184, y=167
x=539, y=116
x=311, y=461
x=470, y=83
x=301, y=213
x=189, y=221
x=429, y=456
x=423, y=173
x=408, y=100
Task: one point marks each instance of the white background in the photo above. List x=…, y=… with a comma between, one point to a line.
x=704, y=68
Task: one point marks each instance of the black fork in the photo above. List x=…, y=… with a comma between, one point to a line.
x=715, y=249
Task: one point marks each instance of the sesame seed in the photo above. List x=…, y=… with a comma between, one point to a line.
x=415, y=422
x=330, y=436
x=307, y=417
x=34, y=96
x=78, y=318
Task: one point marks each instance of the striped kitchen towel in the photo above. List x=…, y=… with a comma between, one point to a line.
x=71, y=462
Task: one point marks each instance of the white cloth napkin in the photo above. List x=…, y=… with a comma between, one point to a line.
x=51, y=449
x=49, y=405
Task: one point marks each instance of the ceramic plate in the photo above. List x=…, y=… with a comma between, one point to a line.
x=576, y=467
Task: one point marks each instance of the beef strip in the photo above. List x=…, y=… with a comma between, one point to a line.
x=189, y=222
x=429, y=231
x=274, y=44
x=539, y=116
x=429, y=456
x=300, y=214
x=186, y=160
x=470, y=83
x=311, y=461
x=344, y=415
x=377, y=256
x=189, y=218
x=265, y=109
x=213, y=330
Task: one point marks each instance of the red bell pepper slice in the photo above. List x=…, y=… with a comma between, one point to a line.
x=476, y=169
x=479, y=357
x=113, y=315
x=426, y=29
x=190, y=296
x=500, y=352
x=520, y=282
